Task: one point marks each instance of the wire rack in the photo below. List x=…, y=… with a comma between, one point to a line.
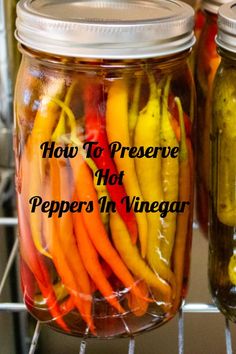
x=20, y=307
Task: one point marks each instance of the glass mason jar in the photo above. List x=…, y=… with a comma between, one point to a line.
x=207, y=62
x=222, y=255
x=104, y=162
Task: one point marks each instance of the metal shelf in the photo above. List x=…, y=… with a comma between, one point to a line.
x=20, y=307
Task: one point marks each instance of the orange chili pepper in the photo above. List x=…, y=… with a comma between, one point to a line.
x=67, y=305
x=62, y=245
x=182, y=227
x=96, y=230
x=139, y=306
x=91, y=262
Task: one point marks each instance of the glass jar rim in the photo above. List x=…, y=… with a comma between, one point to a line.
x=226, y=36
x=213, y=5
x=109, y=29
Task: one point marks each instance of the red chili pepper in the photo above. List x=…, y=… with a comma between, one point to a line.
x=27, y=284
x=199, y=21
x=38, y=268
x=95, y=127
x=210, y=33
x=207, y=45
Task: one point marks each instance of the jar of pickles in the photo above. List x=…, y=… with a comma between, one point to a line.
x=222, y=256
x=104, y=162
x=207, y=61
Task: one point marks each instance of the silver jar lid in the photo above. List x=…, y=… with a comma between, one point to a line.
x=112, y=29
x=213, y=5
x=226, y=37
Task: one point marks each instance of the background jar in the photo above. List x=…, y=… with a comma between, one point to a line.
x=222, y=258
x=94, y=99
x=207, y=62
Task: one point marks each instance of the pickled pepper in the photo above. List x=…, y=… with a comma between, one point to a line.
x=95, y=127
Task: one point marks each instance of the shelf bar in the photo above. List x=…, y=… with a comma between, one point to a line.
x=228, y=340
x=83, y=345
x=200, y=308
x=195, y=225
x=12, y=307
x=188, y=308
x=131, y=345
x=181, y=332
x=8, y=221
x=10, y=262
x=35, y=338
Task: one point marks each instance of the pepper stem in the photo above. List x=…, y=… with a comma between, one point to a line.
x=74, y=139
x=152, y=86
x=61, y=126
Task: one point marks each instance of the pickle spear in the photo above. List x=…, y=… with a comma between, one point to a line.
x=224, y=128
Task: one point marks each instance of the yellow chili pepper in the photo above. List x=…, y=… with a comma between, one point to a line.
x=117, y=126
x=130, y=255
x=232, y=269
x=147, y=133
x=133, y=112
x=60, y=292
x=44, y=123
x=169, y=177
